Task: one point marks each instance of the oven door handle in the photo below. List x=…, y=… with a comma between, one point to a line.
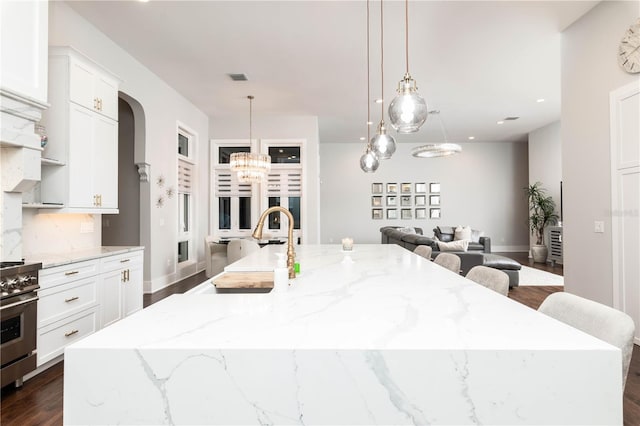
x=22, y=302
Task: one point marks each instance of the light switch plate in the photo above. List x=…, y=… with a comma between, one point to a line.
x=598, y=226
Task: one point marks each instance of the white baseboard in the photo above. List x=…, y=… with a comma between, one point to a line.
x=165, y=281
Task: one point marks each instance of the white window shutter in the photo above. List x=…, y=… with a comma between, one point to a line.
x=185, y=175
x=227, y=185
x=284, y=183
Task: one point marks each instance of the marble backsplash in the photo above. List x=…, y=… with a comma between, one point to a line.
x=57, y=233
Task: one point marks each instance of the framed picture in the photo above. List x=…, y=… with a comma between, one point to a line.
x=405, y=188
x=376, y=188
x=376, y=214
x=391, y=200
x=434, y=200
x=392, y=188
x=421, y=187
x=376, y=201
x=392, y=213
x=421, y=200
x=405, y=200
x=434, y=213
x=406, y=214
x=421, y=213
x=434, y=188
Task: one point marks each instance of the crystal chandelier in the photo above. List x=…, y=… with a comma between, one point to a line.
x=250, y=168
x=369, y=162
x=437, y=149
x=408, y=111
x=382, y=144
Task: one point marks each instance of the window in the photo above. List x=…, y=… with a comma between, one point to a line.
x=186, y=174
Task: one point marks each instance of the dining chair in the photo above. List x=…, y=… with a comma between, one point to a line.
x=239, y=248
x=449, y=261
x=424, y=251
x=491, y=278
x=601, y=321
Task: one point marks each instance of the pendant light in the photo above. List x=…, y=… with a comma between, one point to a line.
x=437, y=149
x=383, y=145
x=369, y=162
x=250, y=168
x=408, y=111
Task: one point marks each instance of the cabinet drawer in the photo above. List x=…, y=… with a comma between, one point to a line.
x=53, y=338
x=59, y=275
x=64, y=300
x=121, y=261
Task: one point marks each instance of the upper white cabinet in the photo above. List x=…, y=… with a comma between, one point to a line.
x=83, y=135
x=23, y=48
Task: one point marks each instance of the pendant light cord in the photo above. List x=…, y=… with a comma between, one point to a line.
x=406, y=32
x=381, y=61
x=250, y=117
x=368, y=88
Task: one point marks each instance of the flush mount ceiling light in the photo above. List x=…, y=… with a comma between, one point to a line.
x=250, y=167
x=432, y=150
x=382, y=144
x=369, y=161
x=408, y=111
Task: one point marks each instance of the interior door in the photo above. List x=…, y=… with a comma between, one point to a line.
x=625, y=200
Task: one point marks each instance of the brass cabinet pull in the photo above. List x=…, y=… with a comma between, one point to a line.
x=71, y=333
x=124, y=260
x=71, y=273
x=127, y=275
x=71, y=299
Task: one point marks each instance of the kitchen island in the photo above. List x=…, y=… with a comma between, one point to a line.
x=377, y=335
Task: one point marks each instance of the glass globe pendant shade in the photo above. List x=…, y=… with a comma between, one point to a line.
x=369, y=162
x=382, y=144
x=408, y=111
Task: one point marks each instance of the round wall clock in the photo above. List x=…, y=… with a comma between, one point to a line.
x=629, y=51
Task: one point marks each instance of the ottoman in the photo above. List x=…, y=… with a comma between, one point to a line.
x=506, y=265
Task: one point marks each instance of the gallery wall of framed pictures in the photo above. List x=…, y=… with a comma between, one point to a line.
x=405, y=200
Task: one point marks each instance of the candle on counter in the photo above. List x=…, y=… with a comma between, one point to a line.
x=347, y=244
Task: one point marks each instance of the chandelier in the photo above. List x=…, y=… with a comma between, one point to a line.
x=250, y=167
x=437, y=149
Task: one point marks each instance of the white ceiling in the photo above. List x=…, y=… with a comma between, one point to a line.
x=477, y=62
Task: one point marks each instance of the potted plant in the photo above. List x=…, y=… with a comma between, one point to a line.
x=541, y=213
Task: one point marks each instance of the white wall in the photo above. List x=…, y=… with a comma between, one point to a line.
x=281, y=127
x=545, y=162
x=163, y=107
x=482, y=187
x=590, y=72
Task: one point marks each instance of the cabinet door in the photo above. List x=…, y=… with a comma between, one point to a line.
x=111, y=296
x=81, y=170
x=132, y=292
x=81, y=78
x=105, y=161
x=106, y=91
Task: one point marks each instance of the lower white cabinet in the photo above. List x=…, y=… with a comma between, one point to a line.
x=121, y=293
x=79, y=298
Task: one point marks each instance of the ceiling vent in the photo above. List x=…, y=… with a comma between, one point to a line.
x=510, y=118
x=238, y=77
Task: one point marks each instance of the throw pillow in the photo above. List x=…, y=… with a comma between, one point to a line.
x=475, y=235
x=407, y=230
x=460, y=245
x=462, y=233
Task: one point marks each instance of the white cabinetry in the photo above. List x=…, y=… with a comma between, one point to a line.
x=79, y=298
x=83, y=135
x=121, y=286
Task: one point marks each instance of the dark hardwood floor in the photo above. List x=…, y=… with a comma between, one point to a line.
x=39, y=401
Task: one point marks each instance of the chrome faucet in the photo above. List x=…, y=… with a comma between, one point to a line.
x=257, y=234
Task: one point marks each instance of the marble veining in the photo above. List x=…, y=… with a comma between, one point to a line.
x=383, y=337
x=49, y=260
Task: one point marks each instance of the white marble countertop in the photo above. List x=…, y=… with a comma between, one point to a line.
x=376, y=297
x=375, y=336
x=49, y=260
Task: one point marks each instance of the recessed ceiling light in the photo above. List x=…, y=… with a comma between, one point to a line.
x=500, y=122
x=369, y=123
x=539, y=100
x=378, y=101
x=471, y=138
x=362, y=138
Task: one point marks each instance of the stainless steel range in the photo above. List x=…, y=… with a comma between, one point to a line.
x=18, y=318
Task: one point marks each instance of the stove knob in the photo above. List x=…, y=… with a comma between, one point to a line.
x=24, y=279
